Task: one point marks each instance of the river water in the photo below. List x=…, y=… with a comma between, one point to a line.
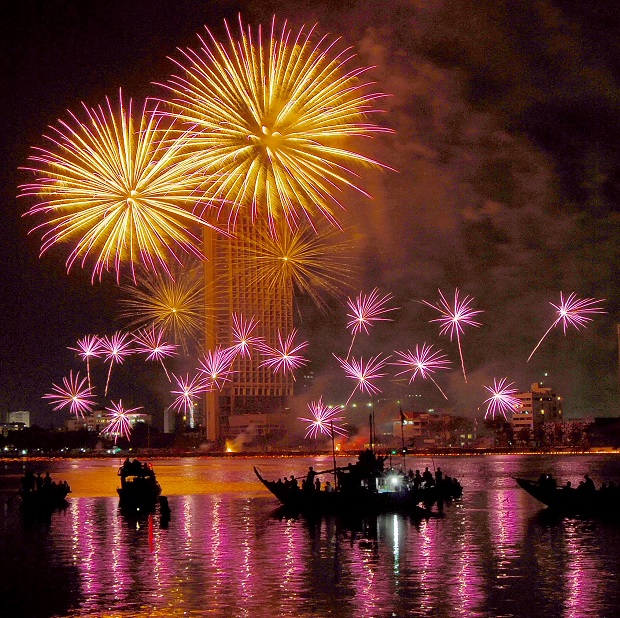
x=225, y=553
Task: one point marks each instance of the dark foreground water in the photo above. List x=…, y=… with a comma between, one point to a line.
x=224, y=554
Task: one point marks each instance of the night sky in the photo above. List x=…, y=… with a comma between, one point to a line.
x=506, y=145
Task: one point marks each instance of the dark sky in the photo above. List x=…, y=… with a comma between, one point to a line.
x=506, y=146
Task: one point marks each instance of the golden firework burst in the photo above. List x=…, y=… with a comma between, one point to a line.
x=270, y=119
x=116, y=189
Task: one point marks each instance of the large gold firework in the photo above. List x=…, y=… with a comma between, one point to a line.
x=116, y=189
x=269, y=119
x=174, y=304
x=316, y=262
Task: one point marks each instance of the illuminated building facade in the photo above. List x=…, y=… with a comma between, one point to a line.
x=230, y=275
x=537, y=406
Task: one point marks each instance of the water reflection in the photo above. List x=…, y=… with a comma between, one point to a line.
x=228, y=552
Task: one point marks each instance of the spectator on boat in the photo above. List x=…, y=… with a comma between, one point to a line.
x=317, y=484
x=428, y=478
x=280, y=484
x=588, y=483
x=417, y=480
x=47, y=481
x=567, y=486
x=38, y=482
x=294, y=484
x=28, y=482
x=309, y=486
x=328, y=487
x=438, y=476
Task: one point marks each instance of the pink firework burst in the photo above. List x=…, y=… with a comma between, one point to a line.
x=364, y=372
x=73, y=393
x=187, y=391
x=366, y=309
x=572, y=311
x=424, y=362
x=88, y=347
x=116, y=348
x=151, y=342
x=501, y=399
x=285, y=355
x=454, y=317
x=215, y=367
x=119, y=420
x=323, y=419
x=243, y=338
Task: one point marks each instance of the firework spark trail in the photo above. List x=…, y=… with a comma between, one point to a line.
x=501, y=399
x=88, y=347
x=73, y=393
x=173, y=303
x=284, y=356
x=115, y=348
x=242, y=330
x=151, y=343
x=187, y=391
x=572, y=311
x=119, y=422
x=365, y=372
x=267, y=118
x=323, y=419
x=423, y=362
x=453, y=318
x=215, y=367
x=366, y=309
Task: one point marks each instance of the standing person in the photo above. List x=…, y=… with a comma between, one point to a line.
x=310, y=479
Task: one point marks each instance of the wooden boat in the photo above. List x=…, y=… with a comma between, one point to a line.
x=46, y=499
x=363, y=488
x=139, y=490
x=581, y=501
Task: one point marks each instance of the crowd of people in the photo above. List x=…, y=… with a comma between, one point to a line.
x=587, y=485
x=43, y=485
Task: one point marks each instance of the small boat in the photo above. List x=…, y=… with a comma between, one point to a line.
x=48, y=498
x=139, y=490
x=566, y=500
x=363, y=488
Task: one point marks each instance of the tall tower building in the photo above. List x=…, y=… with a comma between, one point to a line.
x=231, y=274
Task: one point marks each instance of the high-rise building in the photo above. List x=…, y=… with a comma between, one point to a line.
x=231, y=276
x=538, y=405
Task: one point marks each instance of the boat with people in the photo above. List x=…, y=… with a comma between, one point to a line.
x=366, y=487
x=584, y=500
x=139, y=490
x=42, y=494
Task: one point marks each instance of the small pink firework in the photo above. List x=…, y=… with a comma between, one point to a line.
x=501, y=399
x=119, y=421
x=366, y=309
x=115, y=348
x=454, y=317
x=323, y=419
x=188, y=391
x=424, y=362
x=73, y=393
x=243, y=339
x=572, y=311
x=88, y=347
x=151, y=343
x=285, y=356
x=215, y=367
x=364, y=372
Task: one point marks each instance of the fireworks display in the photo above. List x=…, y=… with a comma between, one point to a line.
x=187, y=391
x=365, y=373
x=424, y=362
x=243, y=338
x=88, y=347
x=572, y=311
x=502, y=399
x=119, y=421
x=174, y=304
x=215, y=367
x=314, y=261
x=115, y=349
x=285, y=355
x=324, y=419
x=116, y=190
x=74, y=394
x=454, y=317
x=268, y=115
x=151, y=342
